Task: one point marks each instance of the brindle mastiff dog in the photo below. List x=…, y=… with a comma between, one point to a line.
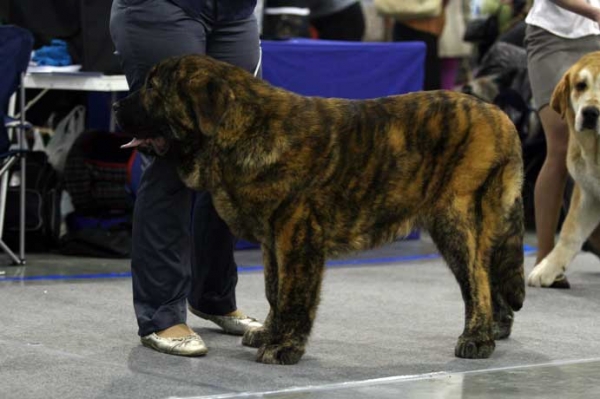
x=310, y=178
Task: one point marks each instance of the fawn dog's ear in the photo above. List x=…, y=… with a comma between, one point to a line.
x=560, y=97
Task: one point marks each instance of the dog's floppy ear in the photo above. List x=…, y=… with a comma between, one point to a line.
x=211, y=101
x=560, y=97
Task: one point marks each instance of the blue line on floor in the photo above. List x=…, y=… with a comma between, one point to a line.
x=356, y=262
x=67, y=277
x=241, y=269
x=375, y=261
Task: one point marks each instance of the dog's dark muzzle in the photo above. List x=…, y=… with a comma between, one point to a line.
x=590, y=118
x=135, y=121
x=131, y=116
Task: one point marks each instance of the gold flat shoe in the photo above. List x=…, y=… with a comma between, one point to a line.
x=235, y=325
x=190, y=345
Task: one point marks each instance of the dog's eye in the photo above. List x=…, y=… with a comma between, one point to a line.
x=581, y=86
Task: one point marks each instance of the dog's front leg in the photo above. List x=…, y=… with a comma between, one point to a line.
x=581, y=220
x=300, y=260
x=258, y=337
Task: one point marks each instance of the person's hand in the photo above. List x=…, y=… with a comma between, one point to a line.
x=596, y=15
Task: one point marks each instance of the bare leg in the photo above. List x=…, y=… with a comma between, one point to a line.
x=550, y=184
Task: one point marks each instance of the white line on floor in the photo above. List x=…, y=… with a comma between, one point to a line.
x=382, y=381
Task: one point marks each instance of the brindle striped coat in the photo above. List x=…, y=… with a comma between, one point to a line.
x=309, y=178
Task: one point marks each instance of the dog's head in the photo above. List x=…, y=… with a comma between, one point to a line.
x=488, y=87
x=182, y=97
x=577, y=95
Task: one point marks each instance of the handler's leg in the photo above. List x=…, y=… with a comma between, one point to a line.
x=145, y=34
x=214, y=271
x=550, y=183
x=160, y=259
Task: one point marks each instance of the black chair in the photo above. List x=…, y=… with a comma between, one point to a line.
x=16, y=45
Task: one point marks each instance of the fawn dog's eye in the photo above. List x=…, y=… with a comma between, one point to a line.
x=580, y=86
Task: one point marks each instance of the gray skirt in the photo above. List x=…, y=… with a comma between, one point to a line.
x=548, y=58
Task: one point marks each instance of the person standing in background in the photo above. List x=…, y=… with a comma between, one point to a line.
x=337, y=19
x=427, y=30
x=331, y=19
x=285, y=19
x=452, y=49
x=558, y=33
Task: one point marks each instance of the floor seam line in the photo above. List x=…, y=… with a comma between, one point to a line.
x=385, y=380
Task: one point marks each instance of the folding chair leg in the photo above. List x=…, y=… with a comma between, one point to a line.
x=22, y=201
x=10, y=253
x=3, y=192
x=4, y=172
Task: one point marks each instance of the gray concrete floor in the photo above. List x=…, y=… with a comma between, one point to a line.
x=386, y=328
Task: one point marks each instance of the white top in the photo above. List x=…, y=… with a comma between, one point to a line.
x=561, y=22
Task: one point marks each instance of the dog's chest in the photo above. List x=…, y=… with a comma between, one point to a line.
x=244, y=221
x=587, y=174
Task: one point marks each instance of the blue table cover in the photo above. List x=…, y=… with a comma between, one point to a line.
x=354, y=70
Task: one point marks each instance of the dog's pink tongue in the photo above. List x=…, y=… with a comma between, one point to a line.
x=133, y=143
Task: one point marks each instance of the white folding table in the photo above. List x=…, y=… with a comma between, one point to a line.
x=81, y=81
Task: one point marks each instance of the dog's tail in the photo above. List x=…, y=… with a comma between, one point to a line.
x=507, y=257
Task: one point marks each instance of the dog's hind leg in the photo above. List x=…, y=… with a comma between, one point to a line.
x=294, y=291
x=581, y=220
x=454, y=232
x=506, y=269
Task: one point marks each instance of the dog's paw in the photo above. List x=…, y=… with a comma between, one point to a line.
x=279, y=354
x=514, y=291
x=503, y=327
x=255, y=337
x=470, y=348
x=544, y=274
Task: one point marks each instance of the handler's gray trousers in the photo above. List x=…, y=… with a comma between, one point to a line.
x=182, y=250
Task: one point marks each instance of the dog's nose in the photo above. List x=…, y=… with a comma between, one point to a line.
x=590, y=117
x=467, y=89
